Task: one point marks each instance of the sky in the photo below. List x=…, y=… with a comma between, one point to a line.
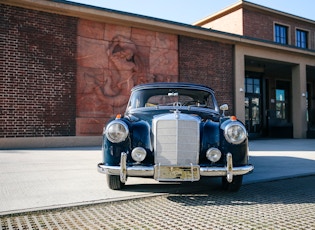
x=190, y=11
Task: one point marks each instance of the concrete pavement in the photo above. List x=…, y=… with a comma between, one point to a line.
x=33, y=179
x=281, y=204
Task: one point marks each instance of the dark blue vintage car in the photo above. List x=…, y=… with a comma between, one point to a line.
x=174, y=132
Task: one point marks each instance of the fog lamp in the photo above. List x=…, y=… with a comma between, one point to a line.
x=213, y=154
x=138, y=154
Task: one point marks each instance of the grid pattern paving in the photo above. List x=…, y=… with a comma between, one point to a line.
x=283, y=204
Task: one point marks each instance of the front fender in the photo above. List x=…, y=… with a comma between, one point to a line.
x=112, y=151
x=139, y=136
x=210, y=136
x=238, y=151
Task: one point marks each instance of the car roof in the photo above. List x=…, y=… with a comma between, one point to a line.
x=183, y=85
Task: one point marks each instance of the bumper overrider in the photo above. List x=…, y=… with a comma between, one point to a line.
x=154, y=171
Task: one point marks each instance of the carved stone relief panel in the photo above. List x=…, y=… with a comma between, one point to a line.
x=111, y=60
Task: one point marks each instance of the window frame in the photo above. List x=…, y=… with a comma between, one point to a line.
x=281, y=25
x=307, y=33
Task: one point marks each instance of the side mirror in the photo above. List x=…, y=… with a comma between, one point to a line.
x=224, y=107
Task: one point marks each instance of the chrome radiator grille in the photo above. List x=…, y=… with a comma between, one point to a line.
x=176, y=139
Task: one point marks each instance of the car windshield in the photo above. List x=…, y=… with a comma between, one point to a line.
x=171, y=97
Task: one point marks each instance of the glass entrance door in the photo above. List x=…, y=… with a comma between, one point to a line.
x=253, y=108
x=252, y=114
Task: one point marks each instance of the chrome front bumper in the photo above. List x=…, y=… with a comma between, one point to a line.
x=148, y=171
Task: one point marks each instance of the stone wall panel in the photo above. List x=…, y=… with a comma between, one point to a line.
x=108, y=69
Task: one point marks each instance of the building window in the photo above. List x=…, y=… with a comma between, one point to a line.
x=301, y=39
x=283, y=100
x=252, y=85
x=280, y=104
x=281, y=34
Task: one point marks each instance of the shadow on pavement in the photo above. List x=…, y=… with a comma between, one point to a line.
x=288, y=191
x=282, y=145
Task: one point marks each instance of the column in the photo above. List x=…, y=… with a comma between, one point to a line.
x=299, y=101
x=239, y=90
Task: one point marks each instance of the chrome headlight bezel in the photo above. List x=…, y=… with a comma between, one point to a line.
x=138, y=154
x=213, y=154
x=235, y=132
x=116, y=131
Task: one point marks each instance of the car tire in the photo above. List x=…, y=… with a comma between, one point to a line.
x=114, y=182
x=234, y=186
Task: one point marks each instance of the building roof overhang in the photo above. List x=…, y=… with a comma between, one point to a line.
x=242, y=4
x=105, y=15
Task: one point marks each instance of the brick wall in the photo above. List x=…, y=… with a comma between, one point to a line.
x=37, y=73
x=258, y=24
x=208, y=63
x=38, y=70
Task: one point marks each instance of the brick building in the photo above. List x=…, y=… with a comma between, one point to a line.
x=278, y=82
x=66, y=68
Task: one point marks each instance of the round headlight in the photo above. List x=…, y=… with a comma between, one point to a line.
x=116, y=131
x=138, y=154
x=235, y=133
x=213, y=154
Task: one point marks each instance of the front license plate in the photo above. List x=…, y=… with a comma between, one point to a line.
x=177, y=173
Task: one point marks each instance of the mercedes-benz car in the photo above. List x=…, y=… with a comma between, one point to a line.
x=174, y=132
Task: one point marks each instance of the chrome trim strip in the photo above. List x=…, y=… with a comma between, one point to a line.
x=219, y=171
x=138, y=171
x=148, y=171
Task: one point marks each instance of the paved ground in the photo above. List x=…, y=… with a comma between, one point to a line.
x=52, y=178
x=282, y=204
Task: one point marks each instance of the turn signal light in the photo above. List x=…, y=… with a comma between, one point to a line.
x=233, y=118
